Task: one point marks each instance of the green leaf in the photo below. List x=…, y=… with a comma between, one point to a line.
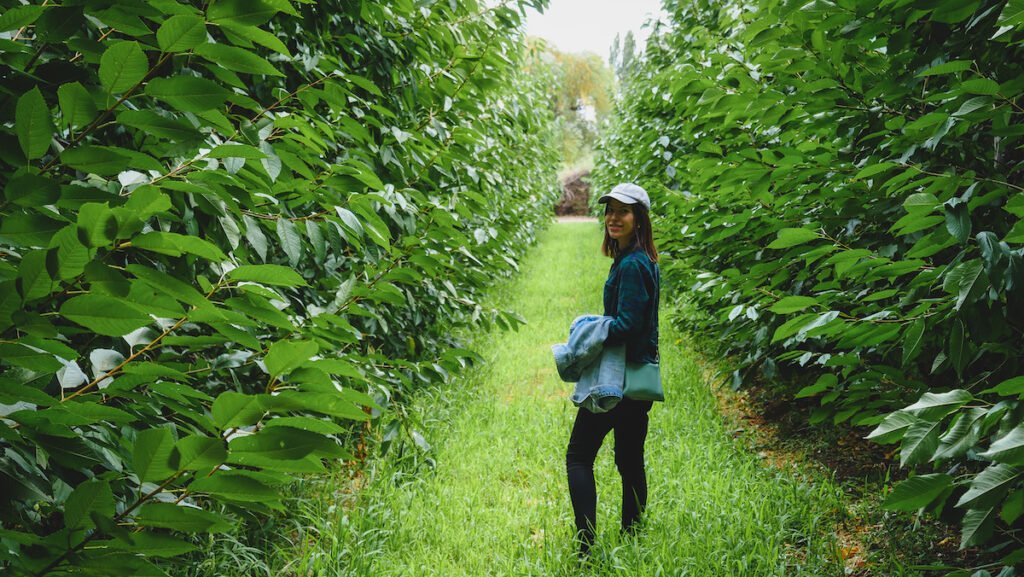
x=967, y=281
x=920, y=442
x=364, y=83
x=333, y=404
x=152, y=454
x=151, y=544
x=995, y=254
x=169, y=285
x=1008, y=449
x=958, y=221
x=122, y=67
x=237, y=59
x=321, y=426
x=974, y=104
x=792, y=304
x=917, y=492
x=977, y=526
x=921, y=203
x=248, y=12
x=105, y=315
x=1016, y=234
x=270, y=274
x=188, y=93
x=184, y=518
x=793, y=326
x=824, y=383
x=285, y=356
x=28, y=229
x=1013, y=508
x=97, y=225
x=237, y=486
x=957, y=348
x=28, y=189
x=947, y=67
x=155, y=370
x=980, y=86
x=181, y=32
x=258, y=240
x=927, y=121
x=260, y=308
x=233, y=409
x=316, y=238
x=19, y=17
x=1012, y=14
x=953, y=11
x=32, y=124
x=912, y=339
x=962, y=435
x=990, y=486
x=22, y=356
x=935, y=406
x=1008, y=388
x=281, y=443
x=92, y=496
x=338, y=367
x=10, y=301
x=914, y=222
x=291, y=240
x=362, y=173
x=873, y=169
x=76, y=105
x=198, y=453
x=349, y=220
x=175, y=244
x=35, y=281
x=154, y=124
x=102, y=160
x=236, y=151
x=792, y=237
x=256, y=35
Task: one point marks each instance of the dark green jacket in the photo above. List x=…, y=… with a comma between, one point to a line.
x=631, y=297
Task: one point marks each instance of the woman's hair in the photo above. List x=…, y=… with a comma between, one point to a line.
x=643, y=237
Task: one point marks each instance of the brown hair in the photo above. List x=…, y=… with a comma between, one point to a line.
x=643, y=236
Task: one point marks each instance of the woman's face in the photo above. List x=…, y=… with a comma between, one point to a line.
x=618, y=221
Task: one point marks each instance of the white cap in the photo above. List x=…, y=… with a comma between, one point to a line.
x=627, y=193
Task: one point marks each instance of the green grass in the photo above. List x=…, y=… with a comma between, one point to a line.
x=492, y=499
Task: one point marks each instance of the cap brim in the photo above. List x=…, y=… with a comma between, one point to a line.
x=617, y=196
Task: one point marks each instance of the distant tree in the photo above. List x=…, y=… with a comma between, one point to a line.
x=581, y=88
x=629, y=56
x=615, y=53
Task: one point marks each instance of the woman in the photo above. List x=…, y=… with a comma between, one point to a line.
x=631, y=299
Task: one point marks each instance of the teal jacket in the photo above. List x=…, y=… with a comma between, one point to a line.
x=631, y=296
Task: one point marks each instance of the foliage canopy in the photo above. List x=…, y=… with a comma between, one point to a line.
x=232, y=232
x=840, y=185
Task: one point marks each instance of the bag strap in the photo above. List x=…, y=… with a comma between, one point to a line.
x=652, y=316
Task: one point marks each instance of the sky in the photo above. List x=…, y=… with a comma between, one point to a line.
x=591, y=25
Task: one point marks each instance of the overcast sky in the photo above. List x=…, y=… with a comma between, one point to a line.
x=591, y=25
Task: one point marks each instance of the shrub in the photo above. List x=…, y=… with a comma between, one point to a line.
x=232, y=232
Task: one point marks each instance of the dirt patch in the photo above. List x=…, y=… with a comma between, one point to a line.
x=575, y=198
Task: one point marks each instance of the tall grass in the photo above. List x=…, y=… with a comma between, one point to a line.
x=492, y=499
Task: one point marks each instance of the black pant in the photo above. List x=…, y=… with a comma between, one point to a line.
x=629, y=421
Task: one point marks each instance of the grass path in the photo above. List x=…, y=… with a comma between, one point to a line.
x=495, y=501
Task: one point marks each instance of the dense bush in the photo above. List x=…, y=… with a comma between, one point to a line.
x=840, y=185
x=232, y=231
